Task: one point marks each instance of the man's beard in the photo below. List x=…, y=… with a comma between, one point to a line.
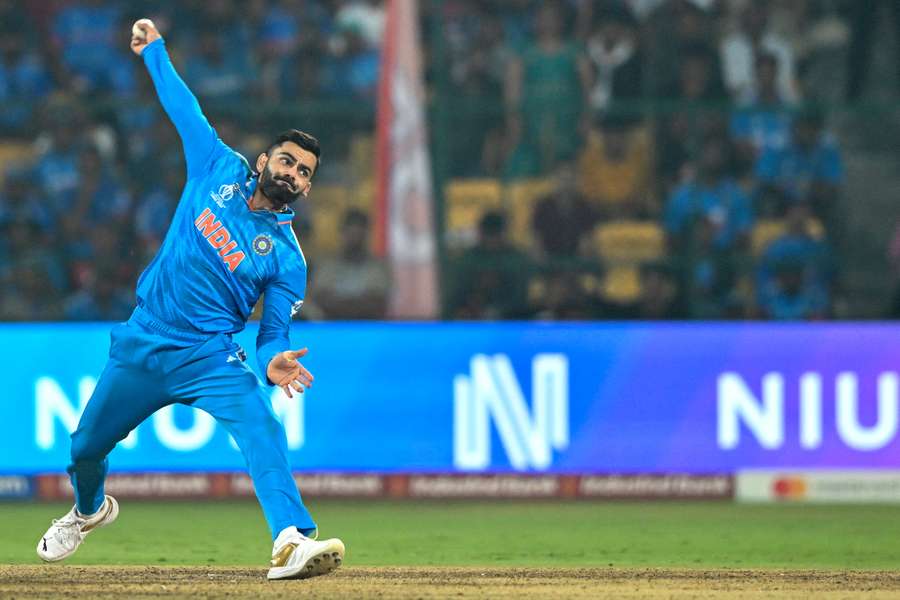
x=280, y=195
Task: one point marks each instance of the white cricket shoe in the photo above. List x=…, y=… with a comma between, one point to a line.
x=295, y=556
x=67, y=533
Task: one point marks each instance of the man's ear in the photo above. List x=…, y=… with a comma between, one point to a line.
x=261, y=161
x=308, y=187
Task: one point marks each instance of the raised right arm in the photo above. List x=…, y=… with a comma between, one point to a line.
x=197, y=135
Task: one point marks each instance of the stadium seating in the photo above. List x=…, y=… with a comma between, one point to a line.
x=465, y=201
x=768, y=230
x=623, y=246
x=521, y=197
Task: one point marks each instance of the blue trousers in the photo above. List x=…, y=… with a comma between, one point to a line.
x=151, y=366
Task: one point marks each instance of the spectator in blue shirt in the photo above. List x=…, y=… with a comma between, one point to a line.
x=56, y=172
x=216, y=73
x=762, y=122
x=353, y=68
x=88, y=34
x=99, y=197
x=24, y=80
x=791, y=295
x=797, y=247
x=713, y=198
x=809, y=167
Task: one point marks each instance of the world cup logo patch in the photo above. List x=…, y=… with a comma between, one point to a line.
x=263, y=244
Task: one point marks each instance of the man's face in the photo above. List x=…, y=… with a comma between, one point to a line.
x=286, y=173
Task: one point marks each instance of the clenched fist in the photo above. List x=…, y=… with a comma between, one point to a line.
x=143, y=32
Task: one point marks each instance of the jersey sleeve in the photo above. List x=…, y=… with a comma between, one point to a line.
x=282, y=299
x=197, y=135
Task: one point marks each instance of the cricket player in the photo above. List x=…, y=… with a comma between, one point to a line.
x=230, y=242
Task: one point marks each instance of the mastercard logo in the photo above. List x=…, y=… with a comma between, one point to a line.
x=789, y=488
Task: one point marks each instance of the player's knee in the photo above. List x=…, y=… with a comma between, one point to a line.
x=84, y=448
x=262, y=423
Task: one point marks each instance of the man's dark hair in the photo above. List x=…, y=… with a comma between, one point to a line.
x=302, y=139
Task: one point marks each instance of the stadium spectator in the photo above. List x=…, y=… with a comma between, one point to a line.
x=351, y=67
x=546, y=94
x=99, y=196
x=91, y=36
x=808, y=168
x=616, y=167
x=218, y=71
x=21, y=200
x=797, y=247
x=56, y=169
x=696, y=107
x=791, y=295
x=491, y=278
x=354, y=284
x=740, y=47
x=363, y=16
x=617, y=64
x=479, y=58
x=562, y=221
x=671, y=30
x=298, y=74
x=24, y=80
x=277, y=31
x=762, y=121
x=713, y=201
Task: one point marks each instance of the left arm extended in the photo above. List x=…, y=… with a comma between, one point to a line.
x=279, y=364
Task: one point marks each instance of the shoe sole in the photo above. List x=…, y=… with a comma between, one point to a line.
x=321, y=563
x=109, y=518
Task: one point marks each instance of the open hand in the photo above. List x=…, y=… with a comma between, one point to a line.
x=285, y=372
x=143, y=32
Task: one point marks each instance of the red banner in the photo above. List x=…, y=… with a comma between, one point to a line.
x=403, y=486
x=404, y=226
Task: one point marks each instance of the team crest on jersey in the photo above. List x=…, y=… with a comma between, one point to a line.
x=263, y=244
x=225, y=193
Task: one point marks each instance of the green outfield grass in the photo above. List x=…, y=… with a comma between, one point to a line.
x=702, y=535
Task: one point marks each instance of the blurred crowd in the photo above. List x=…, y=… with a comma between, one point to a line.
x=95, y=170
x=702, y=116
x=705, y=118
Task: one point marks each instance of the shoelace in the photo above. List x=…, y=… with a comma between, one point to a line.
x=68, y=530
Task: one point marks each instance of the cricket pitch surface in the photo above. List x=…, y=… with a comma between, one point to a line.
x=61, y=581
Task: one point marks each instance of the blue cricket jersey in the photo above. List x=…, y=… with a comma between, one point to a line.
x=219, y=256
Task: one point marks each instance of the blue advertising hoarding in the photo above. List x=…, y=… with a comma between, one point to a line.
x=556, y=398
